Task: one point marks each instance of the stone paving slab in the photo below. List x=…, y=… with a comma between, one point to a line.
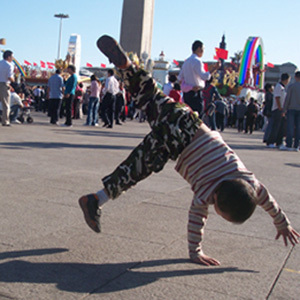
x=48, y=252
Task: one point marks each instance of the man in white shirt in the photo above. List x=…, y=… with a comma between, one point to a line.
x=108, y=103
x=277, y=114
x=6, y=77
x=192, y=74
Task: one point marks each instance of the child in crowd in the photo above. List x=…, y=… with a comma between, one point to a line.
x=216, y=174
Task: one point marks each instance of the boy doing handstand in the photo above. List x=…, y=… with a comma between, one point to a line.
x=216, y=174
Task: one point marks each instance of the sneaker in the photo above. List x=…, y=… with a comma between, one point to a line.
x=16, y=121
x=96, y=125
x=114, y=52
x=91, y=211
x=271, y=146
x=283, y=147
x=296, y=149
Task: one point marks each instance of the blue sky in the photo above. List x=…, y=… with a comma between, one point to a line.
x=31, y=31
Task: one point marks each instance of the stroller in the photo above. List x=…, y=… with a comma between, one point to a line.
x=25, y=112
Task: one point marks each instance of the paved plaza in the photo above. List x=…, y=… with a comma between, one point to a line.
x=48, y=252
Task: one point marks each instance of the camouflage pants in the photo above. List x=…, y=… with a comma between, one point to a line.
x=173, y=126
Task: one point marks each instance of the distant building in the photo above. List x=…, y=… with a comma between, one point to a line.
x=161, y=69
x=272, y=75
x=74, y=51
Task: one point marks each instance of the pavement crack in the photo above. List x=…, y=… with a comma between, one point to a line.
x=279, y=273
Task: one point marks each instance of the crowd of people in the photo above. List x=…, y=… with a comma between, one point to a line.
x=108, y=100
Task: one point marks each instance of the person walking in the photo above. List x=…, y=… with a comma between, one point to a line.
x=221, y=113
x=109, y=99
x=70, y=88
x=292, y=111
x=268, y=110
x=6, y=78
x=240, y=114
x=192, y=74
x=93, y=107
x=55, y=95
x=251, y=114
x=277, y=121
x=120, y=104
x=210, y=94
x=77, y=104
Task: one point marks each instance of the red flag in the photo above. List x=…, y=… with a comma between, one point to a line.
x=221, y=53
x=103, y=65
x=205, y=67
x=35, y=64
x=216, y=57
x=50, y=64
x=27, y=63
x=175, y=62
x=43, y=64
x=89, y=65
x=50, y=67
x=270, y=65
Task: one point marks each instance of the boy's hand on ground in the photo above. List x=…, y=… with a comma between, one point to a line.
x=288, y=234
x=205, y=260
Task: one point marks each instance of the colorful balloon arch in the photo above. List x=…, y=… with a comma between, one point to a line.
x=251, y=72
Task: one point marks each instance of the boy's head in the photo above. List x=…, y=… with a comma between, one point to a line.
x=235, y=200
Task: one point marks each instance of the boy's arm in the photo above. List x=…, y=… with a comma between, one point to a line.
x=280, y=220
x=197, y=220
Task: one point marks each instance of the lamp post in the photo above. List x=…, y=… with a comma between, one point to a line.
x=60, y=16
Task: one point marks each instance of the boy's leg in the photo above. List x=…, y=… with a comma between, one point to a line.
x=175, y=129
x=139, y=83
x=149, y=156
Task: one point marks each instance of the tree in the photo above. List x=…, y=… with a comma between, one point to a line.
x=236, y=59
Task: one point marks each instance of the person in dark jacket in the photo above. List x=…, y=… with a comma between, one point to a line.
x=251, y=115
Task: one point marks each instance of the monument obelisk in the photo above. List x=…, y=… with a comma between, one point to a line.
x=137, y=26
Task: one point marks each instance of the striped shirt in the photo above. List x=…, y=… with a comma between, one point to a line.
x=205, y=163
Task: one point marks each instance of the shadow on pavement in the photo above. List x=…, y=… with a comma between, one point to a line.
x=113, y=134
x=98, y=278
x=293, y=165
x=35, y=252
x=53, y=145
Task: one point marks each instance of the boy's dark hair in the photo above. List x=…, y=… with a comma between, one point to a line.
x=196, y=45
x=268, y=86
x=297, y=74
x=72, y=67
x=7, y=54
x=172, y=78
x=236, y=198
x=284, y=76
x=110, y=72
x=177, y=86
x=58, y=71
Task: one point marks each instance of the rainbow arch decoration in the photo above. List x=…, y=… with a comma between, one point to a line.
x=253, y=56
x=20, y=68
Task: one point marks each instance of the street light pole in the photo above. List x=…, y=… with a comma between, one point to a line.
x=60, y=16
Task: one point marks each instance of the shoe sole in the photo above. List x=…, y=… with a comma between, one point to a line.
x=110, y=48
x=87, y=214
